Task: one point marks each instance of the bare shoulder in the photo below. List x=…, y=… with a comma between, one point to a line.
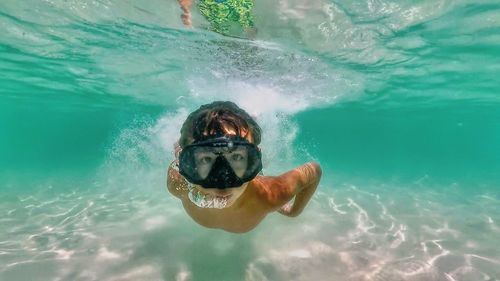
x=278, y=190
x=176, y=184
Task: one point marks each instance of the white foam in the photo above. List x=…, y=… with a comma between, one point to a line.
x=269, y=105
x=261, y=99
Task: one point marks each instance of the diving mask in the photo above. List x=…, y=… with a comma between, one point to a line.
x=221, y=162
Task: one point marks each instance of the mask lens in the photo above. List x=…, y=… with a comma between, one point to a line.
x=238, y=159
x=203, y=160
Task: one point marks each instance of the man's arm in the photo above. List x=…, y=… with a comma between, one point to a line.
x=300, y=182
x=186, y=11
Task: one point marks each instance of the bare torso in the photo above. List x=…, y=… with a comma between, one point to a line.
x=262, y=196
x=244, y=215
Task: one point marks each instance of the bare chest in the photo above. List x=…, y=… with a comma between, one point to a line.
x=241, y=219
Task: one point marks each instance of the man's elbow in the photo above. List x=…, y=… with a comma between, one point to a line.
x=315, y=170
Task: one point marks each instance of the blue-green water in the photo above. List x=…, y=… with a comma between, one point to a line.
x=399, y=102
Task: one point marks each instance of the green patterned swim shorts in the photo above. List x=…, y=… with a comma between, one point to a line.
x=225, y=14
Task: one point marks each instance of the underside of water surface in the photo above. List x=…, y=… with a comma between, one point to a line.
x=399, y=101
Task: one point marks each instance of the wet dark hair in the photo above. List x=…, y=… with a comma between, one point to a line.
x=216, y=119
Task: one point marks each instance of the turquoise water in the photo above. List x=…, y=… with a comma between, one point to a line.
x=399, y=102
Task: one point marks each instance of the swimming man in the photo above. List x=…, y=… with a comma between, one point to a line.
x=217, y=172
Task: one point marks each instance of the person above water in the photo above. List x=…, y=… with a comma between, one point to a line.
x=217, y=172
x=227, y=17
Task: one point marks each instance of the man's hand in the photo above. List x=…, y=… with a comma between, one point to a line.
x=299, y=184
x=286, y=210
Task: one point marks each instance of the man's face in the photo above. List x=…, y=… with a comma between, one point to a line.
x=237, y=159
